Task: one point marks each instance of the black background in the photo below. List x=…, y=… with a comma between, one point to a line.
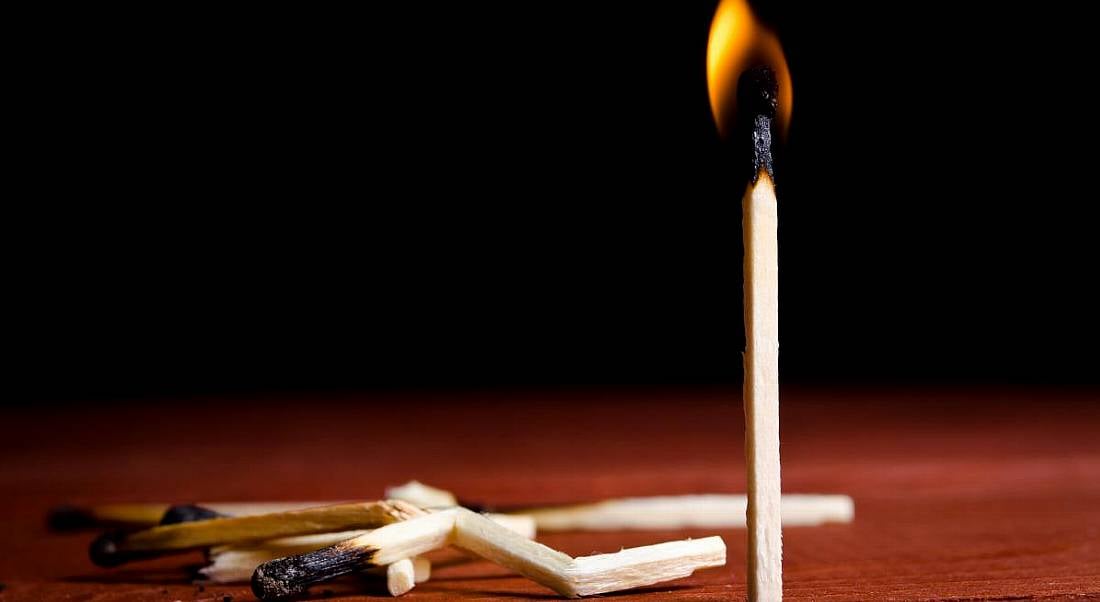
x=206, y=201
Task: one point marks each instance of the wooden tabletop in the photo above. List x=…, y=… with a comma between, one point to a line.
x=961, y=494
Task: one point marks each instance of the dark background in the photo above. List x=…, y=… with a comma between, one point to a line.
x=212, y=201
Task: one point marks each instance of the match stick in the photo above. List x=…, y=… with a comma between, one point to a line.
x=570, y=577
x=587, y=575
x=403, y=575
x=709, y=511
x=235, y=564
x=669, y=512
x=139, y=516
x=113, y=549
x=293, y=575
x=422, y=495
x=757, y=94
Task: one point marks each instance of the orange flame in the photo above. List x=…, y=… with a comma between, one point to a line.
x=737, y=42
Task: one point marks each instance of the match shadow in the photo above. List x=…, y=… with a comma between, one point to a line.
x=653, y=589
x=508, y=594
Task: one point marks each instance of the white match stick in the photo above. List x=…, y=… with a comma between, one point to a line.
x=422, y=495
x=113, y=549
x=571, y=577
x=701, y=511
x=403, y=575
x=761, y=388
x=587, y=575
x=235, y=564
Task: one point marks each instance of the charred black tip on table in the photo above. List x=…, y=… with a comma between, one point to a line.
x=757, y=103
x=292, y=576
x=106, y=551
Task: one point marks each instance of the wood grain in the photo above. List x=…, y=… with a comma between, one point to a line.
x=961, y=494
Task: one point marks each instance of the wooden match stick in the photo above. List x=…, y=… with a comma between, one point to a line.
x=668, y=512
x=587, y=575
x=293, y=575
x=710, y=511
x=113, y=549
x=139, y=516
x=757, y=94
x=236, y=563
x=422, y=495
x=403, y=575
x=571, y=577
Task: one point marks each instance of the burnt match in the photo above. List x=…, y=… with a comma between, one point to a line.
x=113, y=549
x=572, y=577
x=144, y=515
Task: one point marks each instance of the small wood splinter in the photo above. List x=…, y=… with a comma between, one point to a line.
x=572, y=577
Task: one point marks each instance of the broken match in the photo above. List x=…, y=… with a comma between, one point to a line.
x=571, y=577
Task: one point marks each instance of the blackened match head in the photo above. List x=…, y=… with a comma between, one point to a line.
x=108, y=550
x=187, y=513
x=747, y=73
x=291, y=576
x=758, y=93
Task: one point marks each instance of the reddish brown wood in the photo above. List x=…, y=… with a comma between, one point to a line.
x=960, y=494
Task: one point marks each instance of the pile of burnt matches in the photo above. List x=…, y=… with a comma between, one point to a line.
x=283, y=548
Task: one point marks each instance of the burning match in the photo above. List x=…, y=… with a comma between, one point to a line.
x=742, y=51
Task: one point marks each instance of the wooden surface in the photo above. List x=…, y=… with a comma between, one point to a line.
x=960, y=494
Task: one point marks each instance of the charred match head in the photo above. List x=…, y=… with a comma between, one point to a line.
x=293, y=575
x=749, y=85
x=758, y=92
x=758, y=101
x=188, y=513
x=109, y=550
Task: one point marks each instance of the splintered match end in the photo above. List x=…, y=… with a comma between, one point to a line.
x=758, y=98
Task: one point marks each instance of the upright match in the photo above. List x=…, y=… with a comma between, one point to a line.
x=741, y=51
